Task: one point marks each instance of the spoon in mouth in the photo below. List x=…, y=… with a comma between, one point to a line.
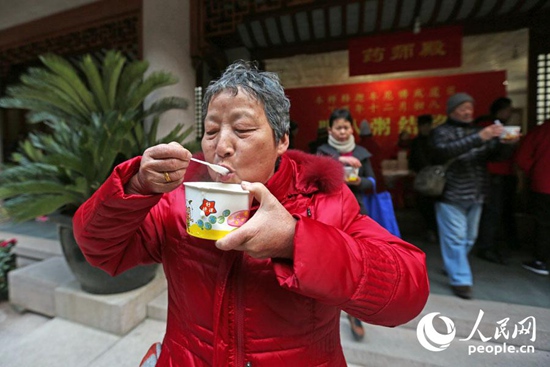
x=216, y=168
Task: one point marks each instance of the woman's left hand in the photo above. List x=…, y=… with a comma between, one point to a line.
x=269, y=233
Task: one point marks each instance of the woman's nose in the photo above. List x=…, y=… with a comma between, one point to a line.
x=225, y=146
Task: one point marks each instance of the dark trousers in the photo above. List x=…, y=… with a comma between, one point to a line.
x=540, y=205
x=499, y=213
x=426, y=207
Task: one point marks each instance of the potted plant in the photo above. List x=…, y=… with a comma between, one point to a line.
x=95, y=116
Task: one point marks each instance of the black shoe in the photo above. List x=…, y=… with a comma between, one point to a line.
x=491, y=256
x=462, y=291
x=356, y=328
x=536, y=267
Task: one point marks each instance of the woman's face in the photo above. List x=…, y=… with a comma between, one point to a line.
x=238, y=136
x=341, y=130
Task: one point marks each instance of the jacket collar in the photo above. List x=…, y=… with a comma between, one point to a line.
x=302, y=173
x=452, y=122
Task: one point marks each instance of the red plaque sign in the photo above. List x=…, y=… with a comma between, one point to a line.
x=429, y=49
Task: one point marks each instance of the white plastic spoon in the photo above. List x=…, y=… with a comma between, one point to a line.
x=216, y=168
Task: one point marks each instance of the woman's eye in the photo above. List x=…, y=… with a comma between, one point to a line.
x=243, y=131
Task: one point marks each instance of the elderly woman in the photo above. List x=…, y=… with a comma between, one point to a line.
x=269, y=293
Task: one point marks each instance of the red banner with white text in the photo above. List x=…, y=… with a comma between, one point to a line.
x=389, y=106
x=406, y=51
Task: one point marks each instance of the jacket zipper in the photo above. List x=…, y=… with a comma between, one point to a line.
x=239, y=314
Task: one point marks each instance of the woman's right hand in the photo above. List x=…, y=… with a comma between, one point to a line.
x=161, y=169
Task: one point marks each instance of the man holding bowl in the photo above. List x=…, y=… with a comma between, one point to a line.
x=270, y=292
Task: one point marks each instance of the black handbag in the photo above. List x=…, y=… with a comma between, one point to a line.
x=430, y=180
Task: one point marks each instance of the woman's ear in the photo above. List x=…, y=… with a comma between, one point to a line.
x=282, y=146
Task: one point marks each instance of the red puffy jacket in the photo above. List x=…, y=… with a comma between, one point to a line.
x=229, y=309
x=533, y=157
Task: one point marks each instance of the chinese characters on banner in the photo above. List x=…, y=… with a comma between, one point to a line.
x=430, y=49
x=389, y=106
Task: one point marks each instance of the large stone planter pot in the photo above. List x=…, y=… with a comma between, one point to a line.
x=95, y=280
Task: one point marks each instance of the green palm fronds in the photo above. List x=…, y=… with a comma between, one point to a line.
x=96, y=116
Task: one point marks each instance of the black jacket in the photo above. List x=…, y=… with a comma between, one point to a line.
x=467, y=177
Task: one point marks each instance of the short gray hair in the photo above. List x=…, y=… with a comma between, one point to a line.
x=263, y=86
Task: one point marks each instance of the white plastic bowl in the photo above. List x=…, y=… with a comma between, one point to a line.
x=214, y=209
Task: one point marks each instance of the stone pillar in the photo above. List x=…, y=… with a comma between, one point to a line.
x=166, y=33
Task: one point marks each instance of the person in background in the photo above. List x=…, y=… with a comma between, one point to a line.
x=459, y=208
x=320, y=139
x=293, y=130
x=533, y=157
x=269, y=293
x=499, y=207
x=421, y=156
x=341, y=146
x=403, y=144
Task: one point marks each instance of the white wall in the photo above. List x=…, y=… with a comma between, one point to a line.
x=499, y=51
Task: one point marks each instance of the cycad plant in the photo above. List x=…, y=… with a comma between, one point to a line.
x=96, y=117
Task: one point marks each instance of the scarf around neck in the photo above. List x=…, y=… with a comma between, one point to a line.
x=342, y=147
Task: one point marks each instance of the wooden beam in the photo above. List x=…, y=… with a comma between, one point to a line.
x=295, y=28
x=379, y=11
x=517, y=7
x=454, y=13
x=280, y=31
x=309, y=16
x=416, y=13
x=537, y=6
x=251, y=35
x=326, y=15
x=397, y=16
x=361, y=17
x=475, y=9
x=435, y=13
x=265, y=33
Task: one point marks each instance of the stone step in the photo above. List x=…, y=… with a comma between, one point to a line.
x=465, y=313
x=33, y=287
x=31, y=249
x=399, y=346
x=59, y=343
x=157, y=309
x=129, y=350
x=49, y=288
